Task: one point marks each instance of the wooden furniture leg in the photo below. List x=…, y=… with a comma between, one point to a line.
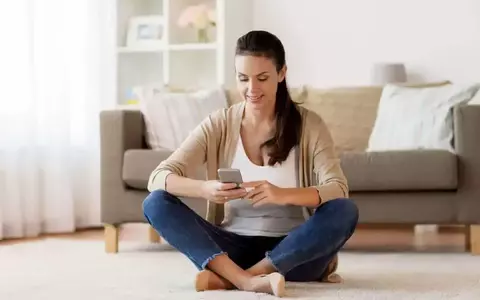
x=473, y=239
x=111, y=238
x=468, y=245
x=153, y=235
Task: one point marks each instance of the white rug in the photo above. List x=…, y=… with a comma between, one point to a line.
x=62, y=269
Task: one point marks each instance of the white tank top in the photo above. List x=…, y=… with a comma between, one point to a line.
x=267, y=220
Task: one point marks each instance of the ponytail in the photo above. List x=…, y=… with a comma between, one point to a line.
x=288, y=126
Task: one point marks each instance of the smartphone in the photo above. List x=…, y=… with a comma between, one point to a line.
x=227, y=175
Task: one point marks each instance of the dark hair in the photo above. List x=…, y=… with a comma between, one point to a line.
x=288, y=118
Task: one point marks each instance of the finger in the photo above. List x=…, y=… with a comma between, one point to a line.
x=236, y=194
x=231, y=193
x=227, y=186
x=261, y=202
x=220, y=200
x=253, y=192
x=258, y=197
x=240, y=193
x=230, y=196
x=252, y=184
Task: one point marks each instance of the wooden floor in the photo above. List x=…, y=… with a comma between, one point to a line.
x=451, y=239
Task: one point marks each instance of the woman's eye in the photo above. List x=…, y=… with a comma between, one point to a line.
x=262, y=79
x=243, y=79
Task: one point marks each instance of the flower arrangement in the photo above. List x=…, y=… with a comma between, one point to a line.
x=199, y=17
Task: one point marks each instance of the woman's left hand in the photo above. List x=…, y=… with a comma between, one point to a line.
x=263, y=192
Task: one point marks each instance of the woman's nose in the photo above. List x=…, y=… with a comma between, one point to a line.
x=253, y=85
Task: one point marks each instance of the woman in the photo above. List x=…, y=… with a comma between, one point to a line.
x=287, y=159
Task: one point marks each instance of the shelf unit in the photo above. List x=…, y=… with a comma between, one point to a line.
x=173, y=47
x=179, y=60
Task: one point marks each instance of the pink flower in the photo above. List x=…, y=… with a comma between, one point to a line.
x=198, y=16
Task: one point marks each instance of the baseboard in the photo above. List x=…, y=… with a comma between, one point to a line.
x=388, y=226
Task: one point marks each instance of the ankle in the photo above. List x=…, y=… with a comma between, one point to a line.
x=273, y=284
x=263, y=267
x=208, y=280
x=247, y=284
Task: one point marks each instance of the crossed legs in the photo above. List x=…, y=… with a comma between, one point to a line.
x=228, y=261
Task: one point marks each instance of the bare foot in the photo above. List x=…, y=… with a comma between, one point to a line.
x=333, y=278
x=273, y=284
x=207, y=280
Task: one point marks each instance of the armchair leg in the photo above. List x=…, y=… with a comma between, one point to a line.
x=472, y=238
x=153, y=235
x=111, y=238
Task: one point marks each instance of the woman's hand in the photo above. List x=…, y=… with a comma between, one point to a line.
x=263, y=192
x=220, y=193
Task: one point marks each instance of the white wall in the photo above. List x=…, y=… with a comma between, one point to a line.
x=334, y=42
x=238, y=21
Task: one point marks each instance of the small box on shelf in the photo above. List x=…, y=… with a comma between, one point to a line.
x=146, y=32
x=128, y=107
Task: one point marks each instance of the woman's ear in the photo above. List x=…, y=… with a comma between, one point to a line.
x=282, y=73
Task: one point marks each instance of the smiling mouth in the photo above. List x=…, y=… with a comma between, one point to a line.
x=254, y=98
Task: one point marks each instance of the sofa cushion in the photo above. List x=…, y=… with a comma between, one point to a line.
x=170, y=117
x=350, y=112
x=298, y=94
x=424, y=115
x=138, y=164
x=406, y=170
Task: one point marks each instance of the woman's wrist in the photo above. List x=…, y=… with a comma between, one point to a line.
x=203, y=190
x=185, y=187
x=300, y=196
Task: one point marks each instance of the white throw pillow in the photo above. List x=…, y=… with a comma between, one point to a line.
x=417, y=118
x=475, y=100
x=171, y=116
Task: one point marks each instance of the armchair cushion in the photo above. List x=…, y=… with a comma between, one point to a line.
x=139, y=163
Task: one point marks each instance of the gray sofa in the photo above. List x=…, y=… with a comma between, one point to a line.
x=406, y=187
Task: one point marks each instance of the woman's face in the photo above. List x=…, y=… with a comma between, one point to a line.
x=257, y=80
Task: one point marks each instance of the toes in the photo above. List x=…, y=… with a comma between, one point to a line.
x=334, y=278
x=201, y=281
x=277, y=283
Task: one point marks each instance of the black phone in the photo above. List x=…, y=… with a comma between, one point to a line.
x=228, y=175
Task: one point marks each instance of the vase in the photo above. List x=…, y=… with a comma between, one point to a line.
x=202, y=35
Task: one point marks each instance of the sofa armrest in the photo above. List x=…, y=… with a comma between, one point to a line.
x=467, y=145
x=120, y=130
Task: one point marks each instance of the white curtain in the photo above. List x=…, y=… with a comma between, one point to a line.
x=56, y=66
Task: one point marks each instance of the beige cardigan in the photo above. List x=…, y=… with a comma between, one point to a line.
x=214, y=141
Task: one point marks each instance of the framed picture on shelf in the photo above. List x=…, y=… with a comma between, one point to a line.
x=145, y=32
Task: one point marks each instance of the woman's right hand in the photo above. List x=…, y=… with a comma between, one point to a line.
x=218, y=192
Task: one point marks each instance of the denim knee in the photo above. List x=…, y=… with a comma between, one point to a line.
x=155, y=202
x=345, y=209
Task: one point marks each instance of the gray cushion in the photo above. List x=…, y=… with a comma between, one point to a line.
x=138, y=164
x=414, y=170
x=404, y=170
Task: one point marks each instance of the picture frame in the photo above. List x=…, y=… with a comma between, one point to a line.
x=146, y=31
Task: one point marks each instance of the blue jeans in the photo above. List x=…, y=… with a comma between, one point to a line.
x=302, y=255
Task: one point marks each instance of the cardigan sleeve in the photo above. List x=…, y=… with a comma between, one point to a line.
x=331, y=181
x=191, y=154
